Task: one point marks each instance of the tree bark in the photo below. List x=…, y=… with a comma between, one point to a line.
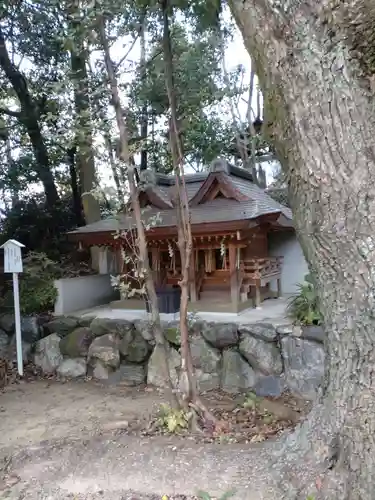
x=76, y=192
x=85, y=157
x=29, y=118
x=315, y=64
x=188, y=383
x=144, y=111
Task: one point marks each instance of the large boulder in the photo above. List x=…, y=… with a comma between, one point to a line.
x=7, y=323
x=76, y=344
x=118, y=327
x=99, y=371
x=61, y=325
x=220, y=335
x=207, y=381
x=205, y=357
x=47, y=353
x=156, y=363
x=236, y=374
x=128, y=375
x=262, y=356
x=145, y=329
x=311, y=332
x=72, y=368
x=133, y=347
x=303, y=366
x=106, y=350
x=85, y=321
x=30, y=328
x=263, y=331
x=12, y=350
x=269, y=385
x=284, y=330
x=172, y=333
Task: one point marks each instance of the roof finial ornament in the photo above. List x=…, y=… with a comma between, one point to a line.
x=219, y=165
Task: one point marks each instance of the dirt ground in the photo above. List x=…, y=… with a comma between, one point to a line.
x=44, y=410
x=66, y=441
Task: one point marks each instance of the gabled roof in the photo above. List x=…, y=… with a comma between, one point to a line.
x=217, y=181
x=156, y=197
x=241, y=200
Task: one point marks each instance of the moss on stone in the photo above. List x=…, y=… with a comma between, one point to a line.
x=173, y=335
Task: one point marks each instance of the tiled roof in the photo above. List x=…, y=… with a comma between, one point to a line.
x=258, y=202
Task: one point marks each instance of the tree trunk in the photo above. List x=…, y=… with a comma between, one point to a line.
x=76, y=192
x=112, y=162
x=188, y=383
x=144, y=111
x=185, y=241
x=315, y=64
x=125, y=157
x=85, y=158
x=29, y=117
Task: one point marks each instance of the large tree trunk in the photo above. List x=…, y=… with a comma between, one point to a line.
x=315, y=63
x=74, y=184
x=29, y=118
x=85, y=156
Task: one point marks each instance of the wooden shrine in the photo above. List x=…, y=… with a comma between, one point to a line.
x=231, y=219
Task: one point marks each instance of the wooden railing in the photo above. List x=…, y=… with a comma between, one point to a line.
x=240, y=275
x=263, y=268
x=257, y=273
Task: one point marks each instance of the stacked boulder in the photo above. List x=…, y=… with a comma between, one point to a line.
x=32, y=330
x=260, y=357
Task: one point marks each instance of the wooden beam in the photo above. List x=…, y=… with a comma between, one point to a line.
x=193, y=283
x=234, y=292
x=155, y=266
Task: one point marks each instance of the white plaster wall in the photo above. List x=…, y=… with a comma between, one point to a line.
x=294, y=266
x=83, y=292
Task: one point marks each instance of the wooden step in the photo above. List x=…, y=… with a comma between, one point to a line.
x=208, y=297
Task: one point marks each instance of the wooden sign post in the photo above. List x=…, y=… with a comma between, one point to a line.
x=13, y=264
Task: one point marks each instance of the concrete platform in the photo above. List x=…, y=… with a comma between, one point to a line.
x=272, y=311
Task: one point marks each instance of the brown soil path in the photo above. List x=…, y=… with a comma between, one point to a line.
x=63, y=446
x=43, y=410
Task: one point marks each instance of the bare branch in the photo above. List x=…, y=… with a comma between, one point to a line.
x=127, y=53
x=141, y=242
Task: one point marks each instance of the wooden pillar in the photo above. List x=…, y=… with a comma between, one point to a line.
x=155, y=265
x=120, y=263
x=193, y=282
x=234, y=292
x=279, y=288
x=103, y=260
x=258, y=297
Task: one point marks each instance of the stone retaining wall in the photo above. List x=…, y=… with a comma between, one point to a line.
x=255, y=357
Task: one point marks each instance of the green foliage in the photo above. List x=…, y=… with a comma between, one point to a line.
x=203, y=495
x=251, y=401
x=172, y=420
x=39, y=228
x=37, y=290
x=304, y=306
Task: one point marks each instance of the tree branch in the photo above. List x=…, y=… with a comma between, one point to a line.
x=9, y=112
x=127, y=53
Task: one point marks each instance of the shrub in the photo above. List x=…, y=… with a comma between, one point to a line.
x=304, y=306
x=37, y=290
x=173, y=420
